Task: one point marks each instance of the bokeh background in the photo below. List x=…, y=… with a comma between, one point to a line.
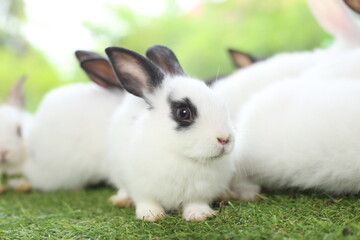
x=39, y=37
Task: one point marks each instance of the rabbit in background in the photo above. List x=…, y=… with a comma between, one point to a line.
x=67, y=140
x=304, y=132
x=14, y=125
x=334, y=16
x=171, y=139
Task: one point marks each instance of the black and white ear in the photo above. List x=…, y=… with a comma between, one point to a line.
x=241, y=59
x=165, y=58
x=100, y=71
x=353, y=4
x=85, y=55
x=16, y=97
x=136, y=73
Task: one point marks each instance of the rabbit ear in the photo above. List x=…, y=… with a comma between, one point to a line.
x=165, y=59
x=240, y=59
x=85, y=55
x=16, y=96
x=136, y=73
x=353, y=4
x=100, y=71
x=335, y=18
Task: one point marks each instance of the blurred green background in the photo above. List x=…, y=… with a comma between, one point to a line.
x=199, y=37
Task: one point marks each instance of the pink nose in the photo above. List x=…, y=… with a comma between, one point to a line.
x=223, y=141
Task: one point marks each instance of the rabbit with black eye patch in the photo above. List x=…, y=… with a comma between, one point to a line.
x=67, y=140
x=170, y=141
x=14, y=125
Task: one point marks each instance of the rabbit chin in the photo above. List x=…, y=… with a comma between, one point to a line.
x=213, y=153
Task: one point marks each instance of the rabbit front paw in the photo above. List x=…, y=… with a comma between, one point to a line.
x=150, y=212
x=197, y=212
x=246, y=191
x=3, y=188
x=121, y=199
x=23, y=186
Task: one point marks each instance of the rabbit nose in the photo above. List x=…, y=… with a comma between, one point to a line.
x=223, y=141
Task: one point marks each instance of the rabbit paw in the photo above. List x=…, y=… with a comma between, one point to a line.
x=24, y=186
x=120, y=202
x=3, y=188
x=197, y=212
x=150, y=212
x=246, y=191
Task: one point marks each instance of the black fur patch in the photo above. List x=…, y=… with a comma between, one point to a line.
x=183, y=112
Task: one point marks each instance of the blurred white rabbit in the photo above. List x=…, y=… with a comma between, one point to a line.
x=14, y=125
x=334, y=17
x=67, y=140
x=304, y=134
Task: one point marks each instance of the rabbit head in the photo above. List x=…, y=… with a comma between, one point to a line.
x=12, y=147
x=184, y=115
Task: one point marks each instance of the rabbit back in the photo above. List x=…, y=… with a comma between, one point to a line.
x=67, y=140
x=303, y=134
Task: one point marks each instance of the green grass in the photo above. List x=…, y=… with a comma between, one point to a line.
x=87, y=215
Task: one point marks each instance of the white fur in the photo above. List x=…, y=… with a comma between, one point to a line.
x=303, y=134
x=344, y=65
x=67, y=140
x=160, y=167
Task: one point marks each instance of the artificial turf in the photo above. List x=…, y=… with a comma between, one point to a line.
x=87, y=214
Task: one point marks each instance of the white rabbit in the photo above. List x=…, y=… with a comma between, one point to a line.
x=14, y=124
x=334, y=16
x=303, y=134
x=170, y=140
x=67, y=140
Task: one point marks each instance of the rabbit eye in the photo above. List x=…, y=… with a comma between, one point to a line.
x=19, y=131
x=184, y=114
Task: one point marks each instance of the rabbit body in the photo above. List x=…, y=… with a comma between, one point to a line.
x=344, y=65
x=13, y=149
x=15, y=123
x=160, y=163
x=67, y=140
x=303, y=134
